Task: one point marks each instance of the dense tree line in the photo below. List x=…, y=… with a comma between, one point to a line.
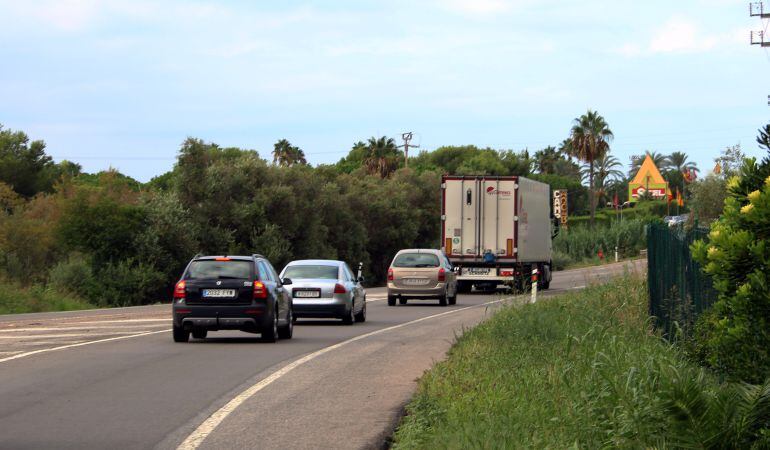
x=112, y=240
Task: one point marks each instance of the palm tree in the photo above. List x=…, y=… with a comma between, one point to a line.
x=606, y=172
x=678, y=161
x=546, y=159
x=660, y=160
x=285, y=154
x=589, y=140
x=381, y=156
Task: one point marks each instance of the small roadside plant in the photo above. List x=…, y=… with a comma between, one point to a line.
x=734, y=336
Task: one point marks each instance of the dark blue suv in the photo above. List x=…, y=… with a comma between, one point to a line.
x=232, y=293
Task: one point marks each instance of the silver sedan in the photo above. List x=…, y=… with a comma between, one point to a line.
x=326, y=288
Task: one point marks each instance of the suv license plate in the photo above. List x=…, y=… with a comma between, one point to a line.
x=307, y=294
x=218, y=293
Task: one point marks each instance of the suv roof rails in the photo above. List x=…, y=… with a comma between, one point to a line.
x=257, y=255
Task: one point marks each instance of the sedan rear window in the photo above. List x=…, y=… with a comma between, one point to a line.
x=416, y=260
x=210, y=269
x=303, y=271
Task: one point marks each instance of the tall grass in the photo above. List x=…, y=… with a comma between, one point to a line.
x=579, y=244
x=15, y=299
x=578, y=371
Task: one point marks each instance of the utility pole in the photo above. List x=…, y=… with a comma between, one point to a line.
x=407, y=137
x=757, y=9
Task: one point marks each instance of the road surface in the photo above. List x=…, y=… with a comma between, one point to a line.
x=114, y=378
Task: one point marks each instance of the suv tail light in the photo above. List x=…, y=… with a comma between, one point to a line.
x=390, y=274
x=260, y=291
x=441, y=274
x=339, y=289
x=179, y=290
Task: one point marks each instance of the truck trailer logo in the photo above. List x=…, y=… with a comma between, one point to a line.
x=493, y=191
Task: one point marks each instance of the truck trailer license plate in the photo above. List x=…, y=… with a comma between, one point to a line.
x=485, y=271
x=218, y=293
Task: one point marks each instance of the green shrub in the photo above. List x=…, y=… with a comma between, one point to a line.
x=580, y=243
x=579, y=371
x=74, y=275
x=735, y=336
x=16, y=299
x=130, y=283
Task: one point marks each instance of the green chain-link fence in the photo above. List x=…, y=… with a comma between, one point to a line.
x=679, y=290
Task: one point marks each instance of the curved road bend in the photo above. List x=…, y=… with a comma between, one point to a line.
x=113, y=378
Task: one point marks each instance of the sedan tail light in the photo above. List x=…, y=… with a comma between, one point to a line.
x=441, y=274
x=339, y=289
x=390, y=274
x=260, y=291
x=179, y=290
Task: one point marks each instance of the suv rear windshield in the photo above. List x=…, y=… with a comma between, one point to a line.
x=211, y=269
x=302, y=271
x=416, y=260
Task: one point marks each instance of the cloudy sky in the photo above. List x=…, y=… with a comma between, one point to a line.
x=121, y=83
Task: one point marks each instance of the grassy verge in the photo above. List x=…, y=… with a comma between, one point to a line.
x=15, y=299
x=578, y=371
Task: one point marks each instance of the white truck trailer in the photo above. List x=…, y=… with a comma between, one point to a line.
x=495, y=230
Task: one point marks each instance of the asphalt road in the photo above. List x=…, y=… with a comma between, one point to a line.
x=114, y=378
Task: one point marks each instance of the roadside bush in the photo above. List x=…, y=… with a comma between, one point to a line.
x=17, y=299
x=579, y=244
x=74, y=275
x=582, y=370
x=734, y=337
x=130, y=283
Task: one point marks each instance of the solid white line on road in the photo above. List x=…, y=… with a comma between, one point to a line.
x=197, y=437
x=65, y=335
x=168, y=319
x=66, y=328
x=63, y=347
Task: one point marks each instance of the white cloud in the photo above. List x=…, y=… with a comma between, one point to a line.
x=679, y=35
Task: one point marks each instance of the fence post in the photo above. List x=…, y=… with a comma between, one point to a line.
x=534, y=285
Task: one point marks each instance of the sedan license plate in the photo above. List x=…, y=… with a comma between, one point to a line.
x=477, y=271
x=218, y=293
x=416, y=281
x=307, y=294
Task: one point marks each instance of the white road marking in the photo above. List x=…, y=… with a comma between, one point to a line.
x=63, y=347
x=56, y=342
x=194, y=440
x=66, y=335
x=168, y=319
x=66, y=328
